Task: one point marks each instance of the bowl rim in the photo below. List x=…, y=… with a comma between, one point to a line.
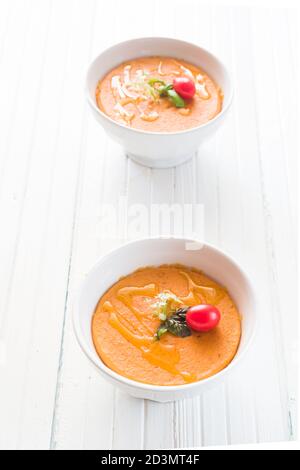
x=143, y=132
x=161, y=388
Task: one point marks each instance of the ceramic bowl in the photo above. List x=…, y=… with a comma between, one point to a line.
x=157, y=251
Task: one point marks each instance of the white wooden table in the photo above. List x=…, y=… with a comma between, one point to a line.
x=56, y=169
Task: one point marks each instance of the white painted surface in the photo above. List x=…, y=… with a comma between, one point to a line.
x=56, y=169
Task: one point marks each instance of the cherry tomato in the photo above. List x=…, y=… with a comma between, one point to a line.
x=203, y=317
x=185, y=87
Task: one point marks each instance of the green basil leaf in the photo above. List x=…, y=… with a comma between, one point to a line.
x=161, y=331
x=167, y=90
x=176, y=324
x=176, y=99
x=153, y=81
x=177, y=328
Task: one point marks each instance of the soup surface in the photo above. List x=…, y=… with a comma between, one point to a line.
x=129, y=94
x=125, y=323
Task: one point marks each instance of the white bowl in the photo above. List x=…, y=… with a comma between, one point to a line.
x=157, y=251
x=158, y=149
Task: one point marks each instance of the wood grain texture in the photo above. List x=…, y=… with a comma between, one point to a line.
x=58, y=169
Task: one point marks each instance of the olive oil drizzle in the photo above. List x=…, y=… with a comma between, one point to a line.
x=157, y=353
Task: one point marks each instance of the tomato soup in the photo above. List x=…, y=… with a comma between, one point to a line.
x=130, y=314
x=142, y=93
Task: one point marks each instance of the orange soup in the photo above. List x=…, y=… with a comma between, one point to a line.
x=141, y=93
x=130, y=314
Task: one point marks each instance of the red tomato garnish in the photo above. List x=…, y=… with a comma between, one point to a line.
x=202, y=317
x=185, y=87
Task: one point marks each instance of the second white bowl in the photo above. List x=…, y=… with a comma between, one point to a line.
x=158, y=149
x=134, y=255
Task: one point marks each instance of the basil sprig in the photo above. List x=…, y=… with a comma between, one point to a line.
x=175, y=98
x=175, y=324
x=167, y=90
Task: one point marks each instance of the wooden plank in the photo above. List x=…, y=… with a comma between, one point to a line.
x=278, y=150
x=19, y=285
x=281, y=54
x=271, y=424
x=89, y=424
x=6, y=20
x=14, y=32
x=42, y=164
x=12, y=118
x=237, y=391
